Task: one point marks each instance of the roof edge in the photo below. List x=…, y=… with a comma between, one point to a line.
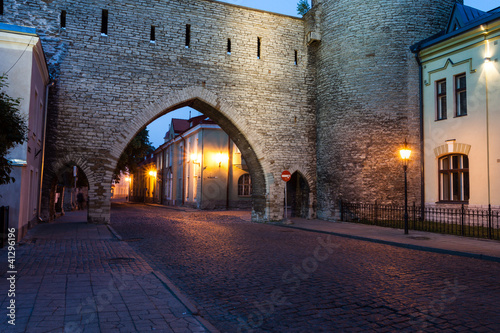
x=4, y=27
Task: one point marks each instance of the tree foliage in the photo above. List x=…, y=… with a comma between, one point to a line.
x=303, y=7
x=13, y=130
x=135, y=151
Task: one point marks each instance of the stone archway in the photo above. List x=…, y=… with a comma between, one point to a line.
x=308, y=180
x=228, y=118
x=299, y=195
x=56, y=182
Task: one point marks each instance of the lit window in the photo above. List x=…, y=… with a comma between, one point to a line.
x=441, y=99
x=461, y=95
x=245, y=185
x=454, y=178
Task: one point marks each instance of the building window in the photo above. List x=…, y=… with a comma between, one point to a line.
x=229, y=46
x=461, y=95
x=245, y=185
x=441, y=99
x=454, y=178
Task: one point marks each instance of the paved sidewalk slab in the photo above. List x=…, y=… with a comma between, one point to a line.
x=77, y=277
x=420, y=240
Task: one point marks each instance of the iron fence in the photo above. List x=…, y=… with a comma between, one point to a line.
x=463, y=221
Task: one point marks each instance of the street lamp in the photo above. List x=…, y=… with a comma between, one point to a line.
x=405, y=156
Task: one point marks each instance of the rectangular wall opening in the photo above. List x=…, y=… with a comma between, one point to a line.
x=63, y=19
x=296, y=61
x=229, y=46
x=104, y=22
x=1, y=7
x=258, y=47
x=152, y=37
x=188, y=35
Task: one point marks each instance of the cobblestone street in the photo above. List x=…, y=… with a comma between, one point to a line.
x=245, y=276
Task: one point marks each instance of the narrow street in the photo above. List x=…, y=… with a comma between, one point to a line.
x=251, y=277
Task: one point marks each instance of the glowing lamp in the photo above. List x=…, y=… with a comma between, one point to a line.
x=194, y=158
x=220, y=157
x=405, y=153
x=152, y=173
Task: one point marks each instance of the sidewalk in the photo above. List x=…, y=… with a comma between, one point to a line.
x=78, y=277
x=426, y=241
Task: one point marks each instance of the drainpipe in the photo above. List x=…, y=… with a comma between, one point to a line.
x=487, y=137
x=44, y=131
x=422, y=157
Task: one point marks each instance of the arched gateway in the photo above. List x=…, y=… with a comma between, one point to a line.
x=113, y=76
x=321, y=95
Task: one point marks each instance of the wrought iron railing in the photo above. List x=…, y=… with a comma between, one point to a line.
x=463, y=221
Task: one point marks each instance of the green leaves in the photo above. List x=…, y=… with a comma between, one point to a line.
x=135, y=151
x=303, y=7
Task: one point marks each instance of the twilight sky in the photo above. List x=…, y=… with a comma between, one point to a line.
x=159, y=127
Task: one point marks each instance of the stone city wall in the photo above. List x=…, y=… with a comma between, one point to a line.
x=110, y=86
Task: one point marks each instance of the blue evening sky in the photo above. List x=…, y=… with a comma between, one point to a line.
x=159, y=127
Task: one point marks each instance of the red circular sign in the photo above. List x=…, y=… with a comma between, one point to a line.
x=286, y=175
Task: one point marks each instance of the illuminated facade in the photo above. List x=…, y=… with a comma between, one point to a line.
x=121, y=191
x=197, y=166
x=143, y=181
x=461, y=114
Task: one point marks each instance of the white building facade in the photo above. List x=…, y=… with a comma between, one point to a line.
x=461, y=110
x=23, y=62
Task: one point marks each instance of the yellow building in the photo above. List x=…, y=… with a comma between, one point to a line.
x=143, y=181
x=199, y=166
x=460, y=85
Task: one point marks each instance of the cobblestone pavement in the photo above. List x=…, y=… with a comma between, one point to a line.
x=247, y=277
x=76, y=277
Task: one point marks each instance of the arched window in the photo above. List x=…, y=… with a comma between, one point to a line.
x=454, y=178
x=245, y=185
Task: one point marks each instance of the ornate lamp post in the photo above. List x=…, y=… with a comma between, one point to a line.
x=405, y=156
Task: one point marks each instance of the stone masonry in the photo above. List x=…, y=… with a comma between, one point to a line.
x=337, y=116
x=367, y=91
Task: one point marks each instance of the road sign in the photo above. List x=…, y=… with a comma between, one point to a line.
x=286, y=175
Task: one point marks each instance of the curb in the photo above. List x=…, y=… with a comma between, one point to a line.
x=185, y=301
x=402, y=245
x=175, y=291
